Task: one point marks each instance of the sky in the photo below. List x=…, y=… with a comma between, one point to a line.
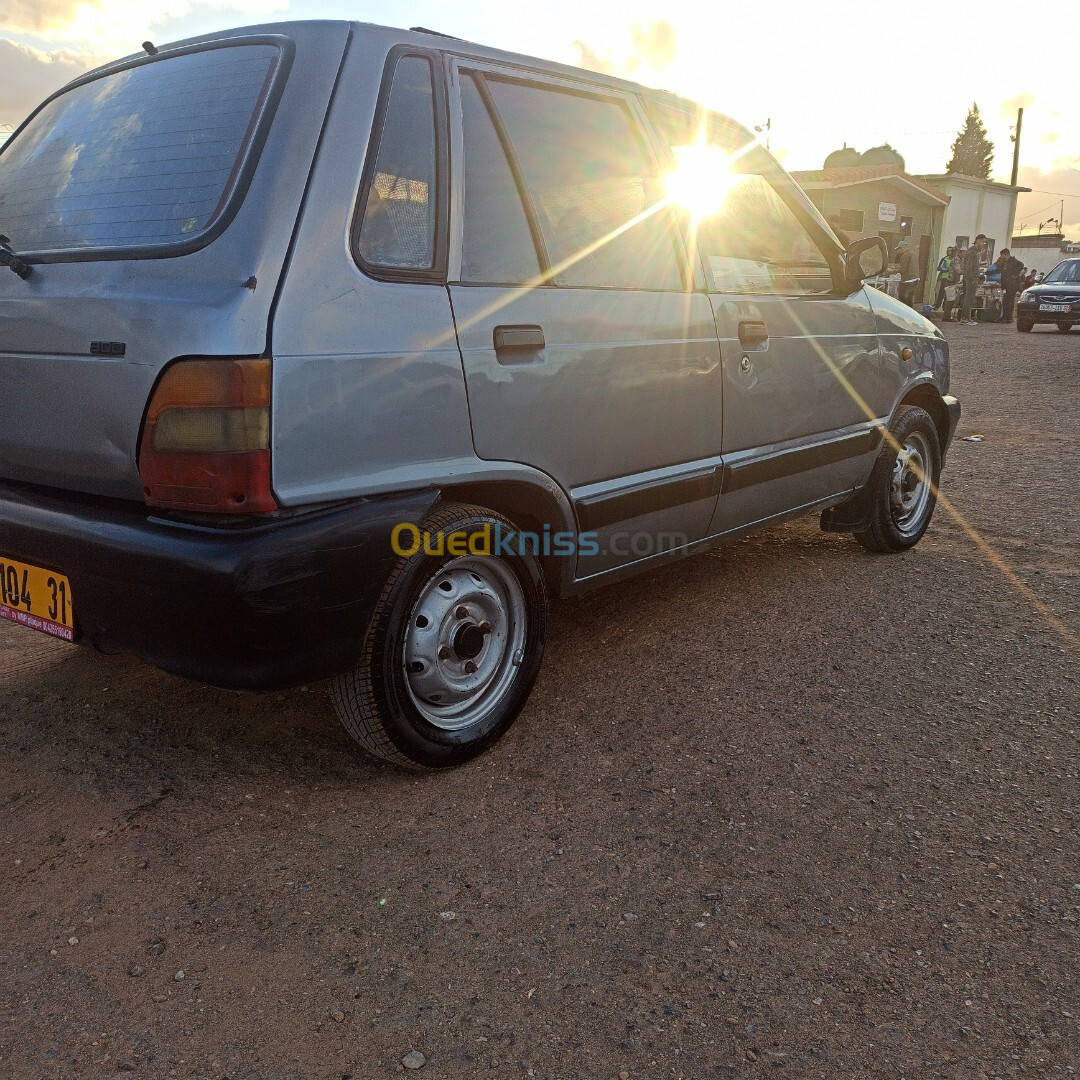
x=841, y=71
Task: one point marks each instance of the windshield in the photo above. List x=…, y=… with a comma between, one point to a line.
x=144, y=157
x=1068, y=271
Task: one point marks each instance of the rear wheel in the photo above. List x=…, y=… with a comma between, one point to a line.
x=453, y=648
x=902, y=490
x=1024, y=325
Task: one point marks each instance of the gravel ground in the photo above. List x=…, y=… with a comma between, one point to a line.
x=784, y=809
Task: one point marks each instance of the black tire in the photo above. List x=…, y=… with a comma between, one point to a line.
x=1064, y=327
x=1024, y=325
x=901, y=502
x=447, y=611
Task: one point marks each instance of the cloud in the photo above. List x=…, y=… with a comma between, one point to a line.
x=653, y=47
x=1021, y=101
x=656, y=43
x=30, y=76
x=592, y=61
x=33, y=16
x=1042, y=203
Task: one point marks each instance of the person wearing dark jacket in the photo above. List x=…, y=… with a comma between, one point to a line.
x=909, y=272
x=1012, y=272
x=972, y=269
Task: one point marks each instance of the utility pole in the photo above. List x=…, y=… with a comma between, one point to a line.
x=1016, y=146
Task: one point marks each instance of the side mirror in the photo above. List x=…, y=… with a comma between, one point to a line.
x=865, y=258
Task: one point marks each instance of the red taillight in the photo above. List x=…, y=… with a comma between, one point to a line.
x=206, y=439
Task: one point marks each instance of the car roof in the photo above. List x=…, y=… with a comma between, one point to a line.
x=431, y=39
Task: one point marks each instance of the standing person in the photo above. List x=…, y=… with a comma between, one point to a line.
x=909, y=272
x=972, y=268
x=1012, y=273
x=943, y=268
x=953, y=287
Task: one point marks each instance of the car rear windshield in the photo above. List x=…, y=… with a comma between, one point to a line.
x=144, y=157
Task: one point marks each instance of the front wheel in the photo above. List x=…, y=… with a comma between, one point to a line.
x=454, y=645
x=1064, y=327
x=1024, y=325
x=902, y=490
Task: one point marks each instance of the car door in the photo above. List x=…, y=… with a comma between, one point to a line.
x=804, y=380
x=586, y=352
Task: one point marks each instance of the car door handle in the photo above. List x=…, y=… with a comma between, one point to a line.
x=511, y=342
x=753, y=332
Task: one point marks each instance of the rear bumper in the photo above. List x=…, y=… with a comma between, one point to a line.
x=258, y=607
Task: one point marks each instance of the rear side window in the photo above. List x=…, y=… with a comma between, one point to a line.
x=145, y=157
x=397, y=231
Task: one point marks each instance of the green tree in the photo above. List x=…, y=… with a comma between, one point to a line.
x=972, y=151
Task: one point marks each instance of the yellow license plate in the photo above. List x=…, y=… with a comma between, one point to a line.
x=40, y=599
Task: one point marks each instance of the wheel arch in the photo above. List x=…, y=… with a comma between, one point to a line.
x=927, y=396
x=530, y=507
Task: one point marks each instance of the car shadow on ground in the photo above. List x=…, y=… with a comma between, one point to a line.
x=95, y=713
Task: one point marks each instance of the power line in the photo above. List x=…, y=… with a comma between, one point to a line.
x=1063, y=194
x=1038, y=212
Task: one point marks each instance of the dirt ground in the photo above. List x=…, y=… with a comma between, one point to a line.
x=786, y=809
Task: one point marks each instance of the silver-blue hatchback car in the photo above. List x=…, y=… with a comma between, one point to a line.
x=332, y=351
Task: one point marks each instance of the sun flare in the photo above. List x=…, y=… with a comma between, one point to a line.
x=701, y=180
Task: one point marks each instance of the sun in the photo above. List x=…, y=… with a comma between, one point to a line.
x=701, y=180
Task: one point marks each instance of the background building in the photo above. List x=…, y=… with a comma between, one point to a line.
x=1043, y=252
x=974, y=206
x=880, y=200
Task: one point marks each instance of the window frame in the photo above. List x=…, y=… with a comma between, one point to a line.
x=436, y=274
x=463, y=67
x=233, y=194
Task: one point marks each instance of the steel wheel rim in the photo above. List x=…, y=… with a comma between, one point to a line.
x=464, y=642
x=910, y=489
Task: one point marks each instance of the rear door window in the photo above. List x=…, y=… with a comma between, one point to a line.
x=594, y=188
x=145, y=157
x=497, y=245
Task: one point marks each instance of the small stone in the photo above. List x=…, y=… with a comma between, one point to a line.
x=629, y=916
x=179, y=976
x=448, y=915
x=338, y=1015
x=751, y=1055
x=414, y=1060
x=818, y=1001
x=624, y=1075
x=156, y=947
x=700, y=925
x=73, y=941
x=135, y=970
x=991, y=866
x=160, y=997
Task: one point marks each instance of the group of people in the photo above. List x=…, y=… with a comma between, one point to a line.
x=959, y=273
